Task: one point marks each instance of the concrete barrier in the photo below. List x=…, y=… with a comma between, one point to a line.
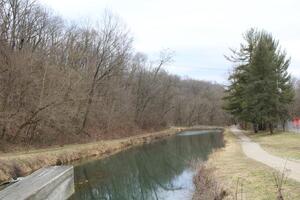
x=52, y=183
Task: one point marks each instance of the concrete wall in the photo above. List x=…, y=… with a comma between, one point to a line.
x=52, y=183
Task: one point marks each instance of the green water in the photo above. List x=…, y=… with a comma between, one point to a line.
x=155, y=171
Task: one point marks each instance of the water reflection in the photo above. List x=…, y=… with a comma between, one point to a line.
x=156, y=171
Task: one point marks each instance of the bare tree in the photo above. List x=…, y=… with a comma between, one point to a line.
x=64, y=83
x=112, y=48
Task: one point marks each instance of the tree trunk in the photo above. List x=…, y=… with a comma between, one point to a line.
x=3, y=132
x=271, y=128
x=283, y=125
x=255, y=128
x=86, y=113
x=262, y=126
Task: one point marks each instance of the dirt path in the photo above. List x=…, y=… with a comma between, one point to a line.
x=254, y=151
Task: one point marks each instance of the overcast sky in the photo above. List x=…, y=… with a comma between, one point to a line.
x=199, y=31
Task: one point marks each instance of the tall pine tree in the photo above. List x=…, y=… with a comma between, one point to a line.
x=261, y=88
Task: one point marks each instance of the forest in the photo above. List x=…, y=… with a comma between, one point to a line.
x=62, y=82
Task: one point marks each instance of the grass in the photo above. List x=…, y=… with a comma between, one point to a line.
x=283, y=144
x=256, y=180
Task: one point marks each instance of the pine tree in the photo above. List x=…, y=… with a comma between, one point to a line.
x=236, y=100
x=261, y=87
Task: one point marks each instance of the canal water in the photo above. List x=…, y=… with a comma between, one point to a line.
x=161, y=170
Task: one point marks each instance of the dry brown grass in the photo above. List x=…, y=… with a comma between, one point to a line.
x=207, y=185
x=255, y=180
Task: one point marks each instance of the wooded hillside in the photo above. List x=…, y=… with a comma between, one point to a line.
x=64, y=83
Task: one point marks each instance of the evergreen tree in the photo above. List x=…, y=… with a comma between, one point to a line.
x=261, y=88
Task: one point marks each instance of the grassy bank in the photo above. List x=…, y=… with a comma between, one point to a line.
x=255, y=180
x=283, y=144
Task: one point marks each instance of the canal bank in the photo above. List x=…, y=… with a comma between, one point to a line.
x=241, y=177
x=20, y=164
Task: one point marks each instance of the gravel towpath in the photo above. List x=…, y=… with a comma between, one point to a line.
x=254, y=151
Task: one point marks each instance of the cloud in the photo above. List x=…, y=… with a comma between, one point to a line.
x=199, y=31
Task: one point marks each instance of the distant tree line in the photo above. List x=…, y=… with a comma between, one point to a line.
x=261, y=89
x=64, y=83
